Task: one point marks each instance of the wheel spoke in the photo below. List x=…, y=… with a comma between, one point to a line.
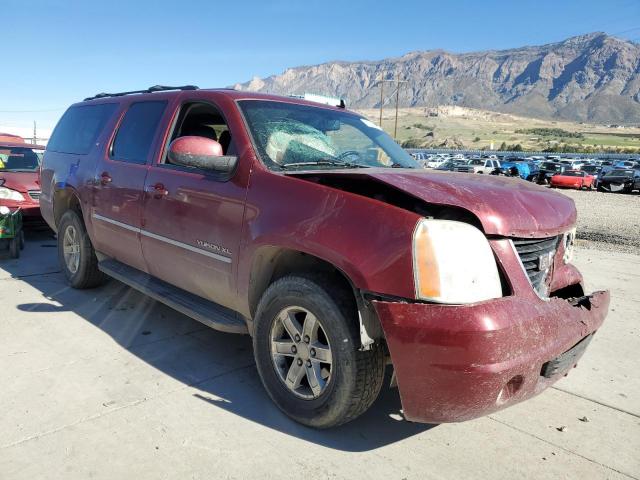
x=295, y=375
x=310, y=327
x=323, y=353
x=283, y=347
x=291, y=325
x=314, y=377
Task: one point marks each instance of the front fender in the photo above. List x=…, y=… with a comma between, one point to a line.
x=368, y=240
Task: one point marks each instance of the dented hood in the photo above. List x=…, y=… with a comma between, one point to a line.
x=505, y=206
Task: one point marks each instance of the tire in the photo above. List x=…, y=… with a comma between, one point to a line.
x=14, y=247
x=22, y=240
x=356, y=376
x=86, y=273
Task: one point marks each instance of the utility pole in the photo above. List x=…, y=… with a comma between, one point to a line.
x=395, y=127
x=381, y=96
x=397, y=81
x=35, y=138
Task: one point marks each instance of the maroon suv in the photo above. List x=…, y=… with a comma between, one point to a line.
x=307, y=227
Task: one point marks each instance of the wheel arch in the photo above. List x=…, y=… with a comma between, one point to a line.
x=65, y=199
x=271, y=263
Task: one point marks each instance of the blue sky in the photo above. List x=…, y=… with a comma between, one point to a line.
x=59, y=51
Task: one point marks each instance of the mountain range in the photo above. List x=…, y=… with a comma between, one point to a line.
x=591, y=78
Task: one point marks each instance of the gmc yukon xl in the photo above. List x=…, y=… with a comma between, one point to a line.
x=307, y=227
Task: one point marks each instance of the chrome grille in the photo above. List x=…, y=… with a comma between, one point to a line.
x=34, y=194
x=536, y=255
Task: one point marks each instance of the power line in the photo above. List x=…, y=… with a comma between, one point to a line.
x=626, y=31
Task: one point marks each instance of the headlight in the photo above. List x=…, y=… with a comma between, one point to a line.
x=569, y=241
x=453, y=263
x=8, y=194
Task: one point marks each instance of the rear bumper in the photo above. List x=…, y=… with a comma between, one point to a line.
x=456, y=363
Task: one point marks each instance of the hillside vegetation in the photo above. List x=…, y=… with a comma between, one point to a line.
x=465, y=128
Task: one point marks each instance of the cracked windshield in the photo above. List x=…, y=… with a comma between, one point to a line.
x=290, y=136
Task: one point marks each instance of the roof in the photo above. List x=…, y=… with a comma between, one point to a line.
x=10, y=137
x=229, y=92
x=4, y=144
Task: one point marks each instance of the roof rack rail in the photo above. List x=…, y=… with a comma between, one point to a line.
x=155, y=88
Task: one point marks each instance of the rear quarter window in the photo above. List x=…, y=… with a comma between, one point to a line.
x=136, y=132
x=79, y=128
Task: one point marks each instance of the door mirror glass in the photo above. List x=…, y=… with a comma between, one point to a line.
x=202, y=153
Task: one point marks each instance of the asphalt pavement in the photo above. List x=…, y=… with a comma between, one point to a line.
x=107, y=383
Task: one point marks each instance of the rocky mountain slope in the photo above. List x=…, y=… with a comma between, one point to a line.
x=592, y=77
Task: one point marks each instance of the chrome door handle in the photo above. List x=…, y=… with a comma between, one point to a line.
x=157, y=190
x=105, y=178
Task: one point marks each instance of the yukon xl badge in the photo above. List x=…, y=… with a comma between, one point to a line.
x=213, y=247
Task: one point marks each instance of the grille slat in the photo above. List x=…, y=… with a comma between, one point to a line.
x=536, y=255
x=34, y=194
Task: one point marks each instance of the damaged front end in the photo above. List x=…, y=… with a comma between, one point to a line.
x=498, y=312
x=458, y=362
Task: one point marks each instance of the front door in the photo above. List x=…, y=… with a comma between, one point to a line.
x=192, y=219
x=119, y=183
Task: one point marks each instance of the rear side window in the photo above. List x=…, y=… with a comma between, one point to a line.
x=136, y=132
x=79, y=128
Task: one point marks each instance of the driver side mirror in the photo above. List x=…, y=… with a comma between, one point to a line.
x=202, y=153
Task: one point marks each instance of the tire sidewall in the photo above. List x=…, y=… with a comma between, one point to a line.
x=14, y=247
x=71, y=218
x=333, y=402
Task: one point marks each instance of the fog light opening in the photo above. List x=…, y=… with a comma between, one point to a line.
x=510, y=390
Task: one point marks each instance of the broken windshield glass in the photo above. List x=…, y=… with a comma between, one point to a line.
x=289, y=135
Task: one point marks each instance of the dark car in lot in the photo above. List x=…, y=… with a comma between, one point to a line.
x=620, y=180
x=451, y=165
x=594, y=171
x=548, y=170
x=309, y=228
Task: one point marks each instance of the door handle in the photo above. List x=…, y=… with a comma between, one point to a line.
x=157, y=190
x=105, y=178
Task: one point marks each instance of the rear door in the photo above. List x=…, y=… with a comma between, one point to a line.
x=193, y=218
x=119, y=182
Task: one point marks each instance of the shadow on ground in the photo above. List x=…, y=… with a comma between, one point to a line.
x=217, y=364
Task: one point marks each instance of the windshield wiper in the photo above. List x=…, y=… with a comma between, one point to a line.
x=325, y=161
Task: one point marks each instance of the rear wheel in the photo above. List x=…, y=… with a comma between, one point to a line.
x=14, y=247
x=76, y=254
x=306, y=346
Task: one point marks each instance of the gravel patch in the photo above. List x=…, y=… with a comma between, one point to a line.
x=607, y=221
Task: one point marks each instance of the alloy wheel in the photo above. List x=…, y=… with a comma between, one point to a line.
x=301, y=352
x=71, y=248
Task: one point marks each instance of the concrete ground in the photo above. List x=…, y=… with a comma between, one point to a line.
x=106, y=383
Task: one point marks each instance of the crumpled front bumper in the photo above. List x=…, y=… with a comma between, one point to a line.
x=456, y=363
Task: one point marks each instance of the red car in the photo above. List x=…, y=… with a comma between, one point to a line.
x=20, y=176
x=309, y=228
x=573, y=179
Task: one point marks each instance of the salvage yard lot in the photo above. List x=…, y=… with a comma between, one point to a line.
x=109, y=384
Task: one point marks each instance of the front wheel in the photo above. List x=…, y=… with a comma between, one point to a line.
x=306, y=347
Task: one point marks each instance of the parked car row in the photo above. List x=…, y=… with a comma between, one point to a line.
x=581, y=173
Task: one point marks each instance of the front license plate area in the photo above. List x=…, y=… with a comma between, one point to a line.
x=568, y=359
